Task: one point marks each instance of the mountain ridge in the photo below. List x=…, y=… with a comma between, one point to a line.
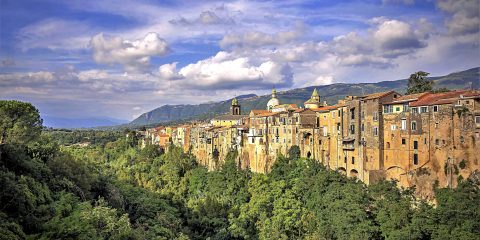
x=331, y=93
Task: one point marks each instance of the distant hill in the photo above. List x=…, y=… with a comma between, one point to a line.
x=58, y=122
x=330, y=93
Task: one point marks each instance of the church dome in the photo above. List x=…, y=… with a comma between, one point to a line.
x=273, y=101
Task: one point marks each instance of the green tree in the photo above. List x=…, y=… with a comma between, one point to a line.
x=20, y=122
x=418, y=83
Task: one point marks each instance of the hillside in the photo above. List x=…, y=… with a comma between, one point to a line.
x=330, y=93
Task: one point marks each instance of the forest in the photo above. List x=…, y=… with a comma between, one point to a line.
x=112, y=189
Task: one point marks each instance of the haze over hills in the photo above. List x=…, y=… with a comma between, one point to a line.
x=60, y=122
x=331, y=93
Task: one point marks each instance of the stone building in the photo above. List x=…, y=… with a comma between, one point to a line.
x=419, y=139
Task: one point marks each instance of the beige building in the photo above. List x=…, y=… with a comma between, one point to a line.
x=417, y=139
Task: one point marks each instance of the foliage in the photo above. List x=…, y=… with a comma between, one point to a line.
x=116, y=190
x=418, y=83
x=19, y=122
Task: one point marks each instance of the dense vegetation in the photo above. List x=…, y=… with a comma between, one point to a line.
x=118, y=191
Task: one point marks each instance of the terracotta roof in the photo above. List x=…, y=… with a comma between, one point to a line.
x=229, y=117
x=443, y=98
x=407, y=98
x=259, y=111
x=327, y=108
x=267, y=114
x=377, y=95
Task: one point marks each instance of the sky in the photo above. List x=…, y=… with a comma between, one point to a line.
x=119, y=59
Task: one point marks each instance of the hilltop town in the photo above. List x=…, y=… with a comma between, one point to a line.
x=421, y=140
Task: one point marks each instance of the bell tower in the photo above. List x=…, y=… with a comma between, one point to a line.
x=235, y=108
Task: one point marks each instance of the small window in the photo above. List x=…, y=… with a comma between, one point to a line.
x=435, y=108
x=423, y=109
x=397, y=109
x=414, y=110
x=415, y=159
x=375, y=116
x=352, y=129
x=477, y=119
x=405, y=107
x=404, y=124
x=352, y=113
x=345, y=159
x=353, y=160
x=362, y=127
x=414, y=126
x=425, y=141
x=437, y=142
x=375, y=131
x=415, y=144
x=404, y=141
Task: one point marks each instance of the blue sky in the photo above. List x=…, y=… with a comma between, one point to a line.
x=119, y=59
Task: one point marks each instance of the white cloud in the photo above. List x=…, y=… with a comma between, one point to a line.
x=465, y=17
x=53, y=33
x=226, y=70
x=132, y=55
x=258, y=39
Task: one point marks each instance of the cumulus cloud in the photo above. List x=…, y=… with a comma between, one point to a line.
x=132, y=55
x=396, y=35
x=205, y=18
x=386, y=41
x=226, y=70
x=465, y=17
x=258, y=39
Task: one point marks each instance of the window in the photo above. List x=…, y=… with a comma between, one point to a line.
x=386, y=109
x=362, y=127
x=397, y=109
x=325, y=131
x=414, y=110
x=345, y=159
x=437, y=142
x=353, y=160
x=352, y=129
x=404, y=141
x=405, y=107
x=375, y=116
x=425, y=141
x=404, y=124
x=435, y=108
x=375, y=131
x=477, y=119
x=415, y=159
x=423, y=109
x=393, y=127
x=414, y=126
x=352, y=113
x=338, y=128
x=363, y=115
x=415, y=144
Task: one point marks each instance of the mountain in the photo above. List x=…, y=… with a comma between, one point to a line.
x=330, y=93
x=59, y=122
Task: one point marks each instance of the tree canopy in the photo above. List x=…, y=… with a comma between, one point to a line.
x=117, y=190
x=418, y=83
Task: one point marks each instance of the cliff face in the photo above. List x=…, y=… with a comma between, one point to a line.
x=330, y=93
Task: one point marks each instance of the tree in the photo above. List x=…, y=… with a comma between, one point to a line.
x=417, y=83
x=19, y=122
x=294, y=152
